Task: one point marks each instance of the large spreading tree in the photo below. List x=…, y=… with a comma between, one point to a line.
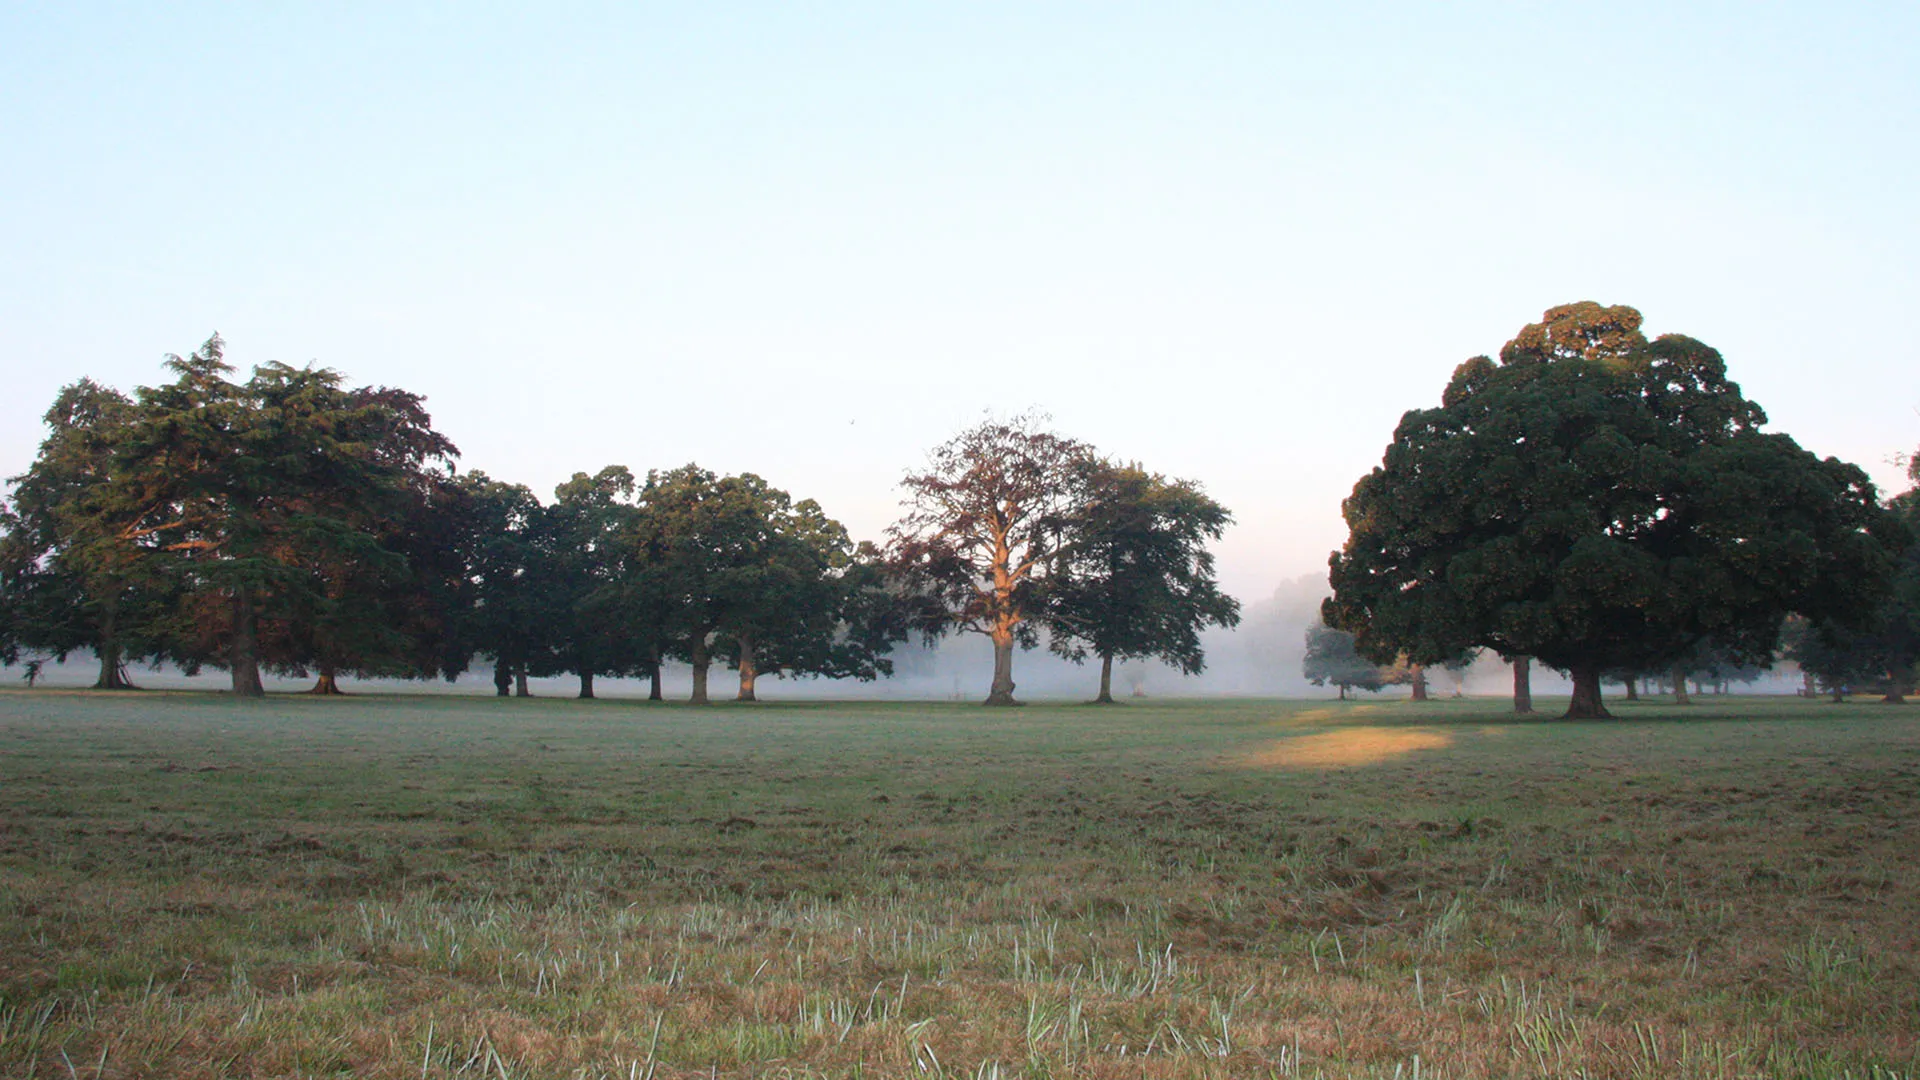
x=274, y=497
x=1599, y=501
x=1135, y=579
x=982, y=528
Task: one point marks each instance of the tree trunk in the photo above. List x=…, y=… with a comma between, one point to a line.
x=653, y=679
x=502, y=678
x=243, y=653
x=1343, y=691
x=1523, y=685
x=700, y=661
x=520, y=682
x=586, y=685
x=1586, y=704
x=1106, y=681
x=113, y=668
x=1419, y=682
x=328, y=684
x=747, y=673
x=1898, y=687
x=1633, y=690
x=1001, y=693
x=1680, y=687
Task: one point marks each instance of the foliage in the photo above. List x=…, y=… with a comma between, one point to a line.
x=1135, y=579
x=495, y=536
x=578, y=541
x=277, y=493
x=1881, y=652
x=70, y=576
x=1599, y=502
x=734, y=564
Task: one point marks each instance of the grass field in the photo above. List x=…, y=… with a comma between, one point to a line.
x=445, y=887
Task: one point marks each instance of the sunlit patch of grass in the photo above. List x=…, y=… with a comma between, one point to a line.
x=1346, y=747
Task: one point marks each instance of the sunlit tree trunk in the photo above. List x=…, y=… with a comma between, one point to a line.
x=1523, y=685
x=1586, y=704
x=1419, y=682
x=243, y=651
x=328, y=684
x=747, y=672
x=520, y=688
x=1898, y=686
x=1001, y=692
x=1005, y=619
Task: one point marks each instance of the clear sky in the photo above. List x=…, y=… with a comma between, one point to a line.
x=1231, y=241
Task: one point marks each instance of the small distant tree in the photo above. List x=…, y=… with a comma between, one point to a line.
x=983, y=525
x=1457, y=667
x=1332, y=658
x=1135, y=579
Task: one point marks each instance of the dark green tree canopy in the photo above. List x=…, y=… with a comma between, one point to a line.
x=1882, y=651
x=1135, y=578
x=71, y=577
x=1599, y=501
x=268, y=513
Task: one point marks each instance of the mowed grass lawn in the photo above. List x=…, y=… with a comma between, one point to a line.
x=441, y=887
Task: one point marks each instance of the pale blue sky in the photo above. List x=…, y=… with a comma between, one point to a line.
x=1233, y=241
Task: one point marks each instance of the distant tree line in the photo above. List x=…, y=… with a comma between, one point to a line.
x=1609, y=506
x=289, y=524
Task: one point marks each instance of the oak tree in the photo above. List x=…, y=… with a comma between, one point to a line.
x=1135, y=579
x=983, y=524
x=1595, y=500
